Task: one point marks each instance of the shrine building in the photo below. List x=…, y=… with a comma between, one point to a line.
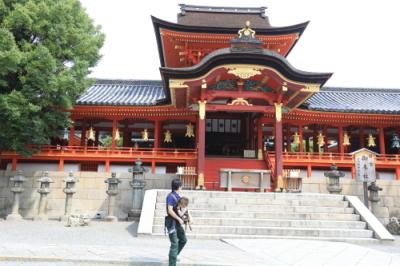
x=227, y=98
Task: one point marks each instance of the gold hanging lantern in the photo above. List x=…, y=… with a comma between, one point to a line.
x=346, y=139
x=321, y=141
x=296, y=138
x=371, y=141
x=117, y=136
x=145, y=135
x=189, y=131
x=167, y=136
x=91, y=134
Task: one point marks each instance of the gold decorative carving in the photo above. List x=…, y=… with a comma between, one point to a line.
x=244, y=72
x=371, y=141
x=310, y=88
x=245, y=179
x=278, y=111
x=247, y=32
x=91, y=134
x=240, y=101
x=346, y=139
x=279, y=183
x=117, y=135
x=177, y=84
x=202, y=109
x=145, y=135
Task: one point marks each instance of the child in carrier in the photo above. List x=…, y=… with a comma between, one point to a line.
x=183, y=212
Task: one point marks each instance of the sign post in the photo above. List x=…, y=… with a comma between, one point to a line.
x=365, y=161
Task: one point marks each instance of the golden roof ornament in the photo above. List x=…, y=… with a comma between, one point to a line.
x=346, y=139
x=167, y=136
x=145, y=135
x=247, y=32
x=371, y=141
x=91, y=134
x=189, y=131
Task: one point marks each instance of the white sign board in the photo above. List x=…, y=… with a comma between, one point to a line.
x=365, y=165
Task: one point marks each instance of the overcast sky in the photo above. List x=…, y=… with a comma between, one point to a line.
x=359, y=41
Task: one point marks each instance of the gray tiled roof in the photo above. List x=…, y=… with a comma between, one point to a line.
x=329, y=99
x=355, y=100
x=123, y=92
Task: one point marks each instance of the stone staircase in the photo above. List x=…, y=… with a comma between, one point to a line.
x=267, y=215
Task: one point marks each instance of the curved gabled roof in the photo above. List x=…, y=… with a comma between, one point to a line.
x=267, y=31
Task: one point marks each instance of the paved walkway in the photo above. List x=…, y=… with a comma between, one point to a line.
x=50, y=243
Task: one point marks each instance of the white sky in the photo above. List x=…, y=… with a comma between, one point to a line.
x=359, y=41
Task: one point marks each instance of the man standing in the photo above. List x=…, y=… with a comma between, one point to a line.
x=174, y=223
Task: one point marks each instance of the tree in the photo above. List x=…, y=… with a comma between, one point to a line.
x=47, y=48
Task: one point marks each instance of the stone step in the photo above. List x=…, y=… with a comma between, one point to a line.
x=275, y=231
x=273, y=223
x=268, y=215
x=353, y=240
x=266, y=201
x=264, y=195
x=270, y=208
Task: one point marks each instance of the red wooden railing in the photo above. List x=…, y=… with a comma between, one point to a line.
x=308, y=157
x=95, y=151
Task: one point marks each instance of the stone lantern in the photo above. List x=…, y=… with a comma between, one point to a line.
x=69, y=190
x=112, y=192
x=16, y=189
x=137, y=185
x=334, y=176
x=44, y=189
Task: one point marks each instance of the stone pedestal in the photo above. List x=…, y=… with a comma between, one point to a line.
x=112, y=192
x=137, y=197
x=17, y=189
x=44, y=190
x=69, y=191
x=334, y=176
x=382, y=213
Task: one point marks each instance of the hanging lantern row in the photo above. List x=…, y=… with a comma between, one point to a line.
x=371, y=141
x=117, y=135
x=167, y=136
x=91, y=134
x=321, y=141
x=189, y=131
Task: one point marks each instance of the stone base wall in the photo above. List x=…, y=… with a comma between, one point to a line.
x=90, y=197
x=390, y=194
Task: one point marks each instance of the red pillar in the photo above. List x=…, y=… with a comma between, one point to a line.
x=340, y=140
x=278, y=145
x=353, y=172
x=382, y=140
x=309, y=171
x=107, y=166
x=113, y=134
x=83, y=134
x=362, y=140
x=153, y=167
x=156, y=134
x=325, y=132
x=398, y=173
x=260, y=139
x=71, y=136
x=288, y=142
x=61, y=165
x=201, y=132
x=301, y=145
x=14, y=164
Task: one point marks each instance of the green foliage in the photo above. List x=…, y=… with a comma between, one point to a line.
x=46, y=50
x=107, y=142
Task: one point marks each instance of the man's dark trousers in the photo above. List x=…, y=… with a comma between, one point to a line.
x=178, y=241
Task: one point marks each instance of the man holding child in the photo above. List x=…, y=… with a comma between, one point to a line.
x=177, y=216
